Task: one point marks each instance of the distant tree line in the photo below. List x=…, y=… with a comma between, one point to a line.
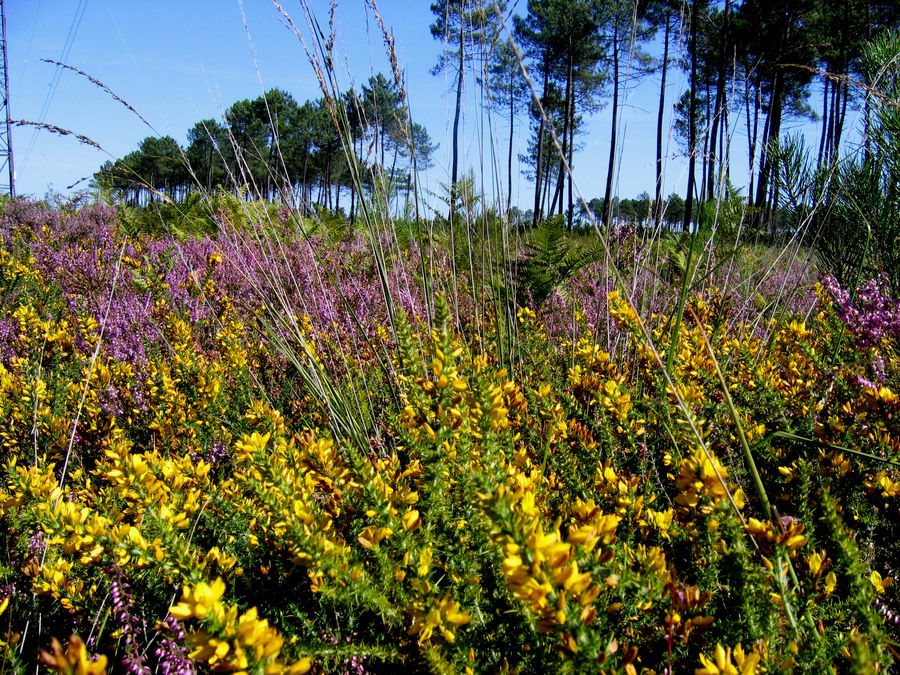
x=750, y=65
x=282, y=149
x=760, y=60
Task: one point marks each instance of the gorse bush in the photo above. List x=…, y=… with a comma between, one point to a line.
x=190, y=500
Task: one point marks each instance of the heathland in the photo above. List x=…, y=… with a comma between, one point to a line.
x=244, y=431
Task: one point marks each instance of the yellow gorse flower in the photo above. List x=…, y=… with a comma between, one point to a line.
x=198, y=601
x=621, y=310
x=74, y=661
x=728, y=662
x=231, y=642
x=879, y=583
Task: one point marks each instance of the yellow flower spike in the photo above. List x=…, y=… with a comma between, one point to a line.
x=582, y=534
x=238, y=660
x=721, y=664
x=256, y=633
x=577, y=582
x=558, y=554
x=429, y=430
x=511, y=564
x=723, y=658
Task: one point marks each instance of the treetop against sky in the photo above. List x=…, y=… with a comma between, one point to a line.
x=179, y=63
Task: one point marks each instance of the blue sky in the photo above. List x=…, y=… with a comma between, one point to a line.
x=180, y=62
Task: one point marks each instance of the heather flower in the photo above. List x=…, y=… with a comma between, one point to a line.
x=351, y=665
x=873, y=315
x=212, y=455
x=171, y=655
x=878, y=368
x=131, y=630
x=36, y=544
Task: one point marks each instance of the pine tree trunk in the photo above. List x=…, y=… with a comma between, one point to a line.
x=509, y=157
x=773, y=131
x=718, y=113
x=571, y=162
x=763, y=154
x=536, y=217
x=657, y=197
x=751, y=133
x=568, y=134
x=454, y=169
x=692, y=124
x=832, y=122
x=705, y=154
x=607, y=200
x=548, y=179
x=836, y=141
x=560, y=188
x=824, y=136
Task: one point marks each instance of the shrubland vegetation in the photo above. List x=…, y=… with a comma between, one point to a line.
x=244, y=432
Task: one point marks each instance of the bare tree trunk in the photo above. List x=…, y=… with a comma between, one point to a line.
x=832, y=121
x=715, y=158
x=839, y=131
x=571, y=216
x=509, y=158
x=692, y=124
x=454, y=168
x=760, y=187
x=773, y=131
x=867, y=129
x=540, y=145
x=751, y=132
x=565, y=139
x=824, y=136
x=657, y=196
x=610, y=170
x=556, y=195
x=352, y=204
x=548, y=179
x=705, y=154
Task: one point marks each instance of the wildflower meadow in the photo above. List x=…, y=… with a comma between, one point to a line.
x=245, y=432
x=196, y=478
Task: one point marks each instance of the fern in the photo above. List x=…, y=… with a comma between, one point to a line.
x=552, y=260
